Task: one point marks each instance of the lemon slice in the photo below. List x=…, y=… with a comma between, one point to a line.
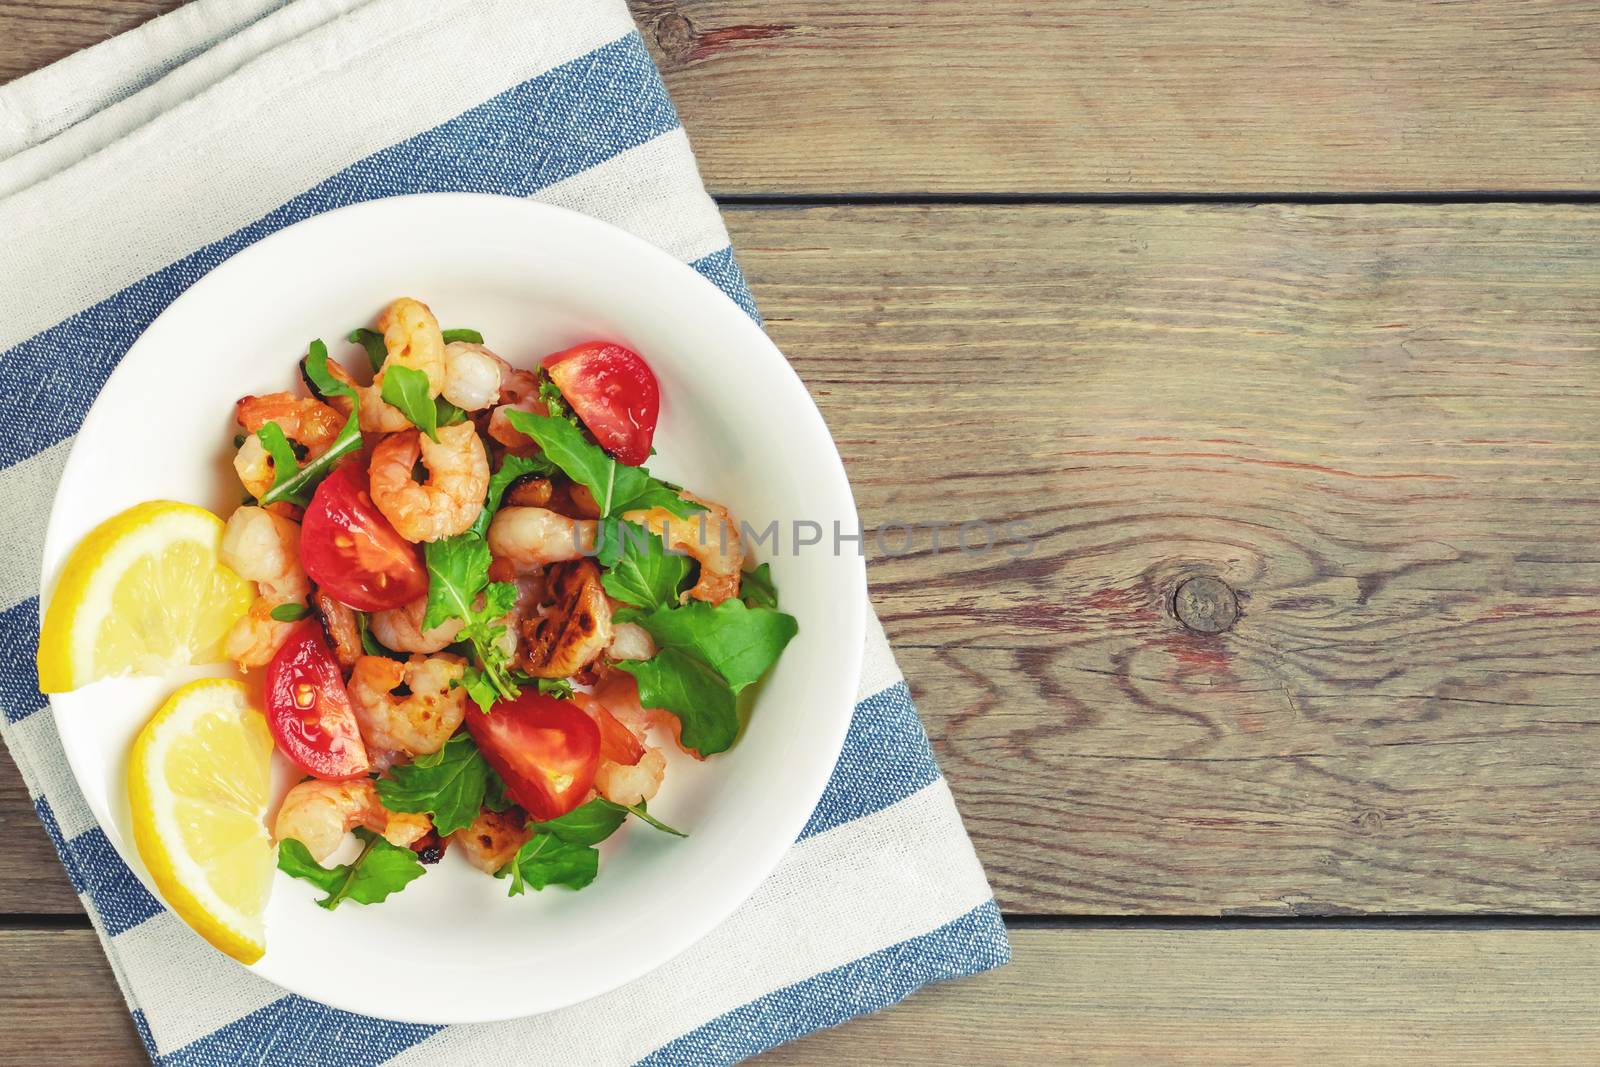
x=143, y=593
x=199, y=784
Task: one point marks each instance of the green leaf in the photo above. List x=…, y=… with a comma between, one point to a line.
x=446, y=413
x=587, y=824
x=651, y=820
x=554, y=402
x=740, y=642
x=448, y=784
x=547, y=860
x=756, y=588
x=691, y=689
x=458, y=572
x=511, y=468
x=372, y=341
x=296, y=485
x=407, y=389
x=646, y=573
x=380, y=870
x=371, y=646
x=559, y=688
x=470, y=336
x=615, y=487
x=458, y=568
x=496, y=797
x=290, y=612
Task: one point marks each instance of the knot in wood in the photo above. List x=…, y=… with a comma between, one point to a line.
x=1205, y=605
x=676, y=36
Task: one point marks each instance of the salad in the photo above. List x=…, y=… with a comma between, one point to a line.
x=475, y=623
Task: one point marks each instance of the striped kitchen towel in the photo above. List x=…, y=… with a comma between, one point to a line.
x=130, y=170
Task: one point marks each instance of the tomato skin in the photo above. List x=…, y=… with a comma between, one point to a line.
x=352, y=552
x=308, y=709
x=546, y=749
x=614, y=392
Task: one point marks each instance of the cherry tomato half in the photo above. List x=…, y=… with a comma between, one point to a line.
x=309, y=711
x=614, y=392
x=349, y=549
x=546, y=750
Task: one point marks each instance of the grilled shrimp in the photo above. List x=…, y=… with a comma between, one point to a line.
x=343, y=631
x=711, y=537
x=493, y=838
x=401, y=628
x=448, y=502
x=264, y=548
x=532, y=537
x=309, y=423
x=415, y=724
x=575, y=629
x=472, y=375
x=318, y=814
x=412, y=338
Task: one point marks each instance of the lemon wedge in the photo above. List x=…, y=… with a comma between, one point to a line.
x=143, y=593
x=199, y=783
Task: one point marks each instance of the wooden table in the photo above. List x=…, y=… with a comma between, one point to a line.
x=1303, y=298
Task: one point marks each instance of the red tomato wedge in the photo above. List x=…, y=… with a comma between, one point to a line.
x=545, y=749
x=349, y=549
x=614, y=392
x=617, y=743
x=309, y=711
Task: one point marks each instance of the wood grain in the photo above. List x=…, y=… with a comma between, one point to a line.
x=1142, y=96
x=1098, y=995
x=32, y=880
x=34, y=34
x=1375, y=423
x=817, y=97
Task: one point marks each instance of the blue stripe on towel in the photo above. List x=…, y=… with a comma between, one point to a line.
x=96, y=871
x=974, y=942
x=293, y=1029
x=589, y=110
x=19, y=674
x=884, y=760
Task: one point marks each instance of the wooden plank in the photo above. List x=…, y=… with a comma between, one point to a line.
x=1145, y=96
x=1141, y=96
x=32, y=880
x=1131, y=996
x=1376, y=423
x=33, y=35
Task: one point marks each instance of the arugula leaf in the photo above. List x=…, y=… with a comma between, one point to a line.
x=756, y=588
x=511, y=468
x=290, y=481
x=458, y=572
x=290, y=612
x=370, y=645
x=372, y=341
x=547, y=860
x=740, y=642
x=406, y=388
x=646, y=572
x=592, y=823
x=559, y=688
x=472, y=336
x=449, y=785
x=380, y=870
x=587, y=824
x=496, y=797
x=554, y=402
x=616, y=487
x=691, y=689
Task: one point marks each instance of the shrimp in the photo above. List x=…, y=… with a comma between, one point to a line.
x=415, y=724
x=448, y=502
x=532, y=537
x=412, y=338
x=318, y=814
x=401, y=628
x=629, y=640
x=263, y=547
x=711, y=538
x=630, y=784
x=310, y=423
x=343, y=631
x=472, y=375
x=576, y=628
x=493, y=839
x=519, y=391
x=618, y=692
x=377, y=414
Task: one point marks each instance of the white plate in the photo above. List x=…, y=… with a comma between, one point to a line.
x=736, y=426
